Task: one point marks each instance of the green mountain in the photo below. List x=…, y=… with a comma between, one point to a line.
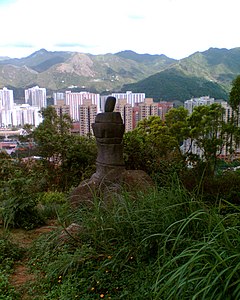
x=59, y=70
x=202, y=73
x=173, y=84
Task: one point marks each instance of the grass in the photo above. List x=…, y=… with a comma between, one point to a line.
x=9, y=253
x=163, y=245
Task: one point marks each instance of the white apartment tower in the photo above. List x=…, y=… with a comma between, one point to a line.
x=36, y=96
x=6, y=105
x=25, y=114
x=132, y=98
x=75, y=100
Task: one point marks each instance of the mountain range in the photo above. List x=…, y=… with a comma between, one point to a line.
x=203, y=73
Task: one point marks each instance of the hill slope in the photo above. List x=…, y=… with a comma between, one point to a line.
x=202, y=73
x=173, y=84
x=58, y=70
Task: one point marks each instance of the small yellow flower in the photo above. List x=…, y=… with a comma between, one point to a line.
x=109, y=257
x=102, y=296
x=93, y=288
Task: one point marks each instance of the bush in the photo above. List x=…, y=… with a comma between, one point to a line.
x=18, y=207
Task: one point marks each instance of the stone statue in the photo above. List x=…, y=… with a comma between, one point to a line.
x=108, y=130
x=110, y=175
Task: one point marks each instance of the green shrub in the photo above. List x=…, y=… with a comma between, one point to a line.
x=52, y=205
x=18, y=207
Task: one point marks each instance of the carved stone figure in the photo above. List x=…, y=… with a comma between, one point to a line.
x=110, y=175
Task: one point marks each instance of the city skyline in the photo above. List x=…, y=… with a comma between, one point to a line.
x=176, y=28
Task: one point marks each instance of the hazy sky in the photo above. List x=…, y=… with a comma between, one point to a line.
x=176, y=28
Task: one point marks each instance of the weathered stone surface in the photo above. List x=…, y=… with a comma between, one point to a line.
x=110, y=104
x=108, y=130
x=137, y=180
x=114, y=182
x=109, y=117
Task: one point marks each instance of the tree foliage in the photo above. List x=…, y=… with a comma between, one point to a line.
x=234, y=96
x=67, y=159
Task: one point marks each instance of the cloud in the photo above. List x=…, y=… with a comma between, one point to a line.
x=16, y=45
x=71, y=45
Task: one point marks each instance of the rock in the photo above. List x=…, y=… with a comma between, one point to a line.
x=71, y=232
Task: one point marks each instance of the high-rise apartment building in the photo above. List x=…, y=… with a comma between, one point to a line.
x=25, y=114
x=58, y=98
x=87, y=115
x=163, y=108
x=62, y=109
x=126, y=111
x=190, y=104
x=36, y=96
x=144, y=110
x=6, y=105
x=75, y=100
x=130, y=97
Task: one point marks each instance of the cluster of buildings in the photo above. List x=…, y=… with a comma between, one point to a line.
x=82, y=107
x=17, y=115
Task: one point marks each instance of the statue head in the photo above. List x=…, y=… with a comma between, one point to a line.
x=110, y=104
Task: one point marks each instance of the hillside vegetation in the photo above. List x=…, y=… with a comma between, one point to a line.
x=179, y=239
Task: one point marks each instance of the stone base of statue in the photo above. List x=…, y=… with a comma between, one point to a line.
x=110, y=186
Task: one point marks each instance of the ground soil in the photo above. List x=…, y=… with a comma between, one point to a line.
x=21, y=275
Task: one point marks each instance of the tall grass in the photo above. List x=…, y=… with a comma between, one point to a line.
x=162, y=245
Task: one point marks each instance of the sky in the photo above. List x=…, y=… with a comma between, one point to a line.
x=176, y=28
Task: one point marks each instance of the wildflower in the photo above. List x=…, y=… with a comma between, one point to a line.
x=93, y=288
x=102, y=296
x=109, y=257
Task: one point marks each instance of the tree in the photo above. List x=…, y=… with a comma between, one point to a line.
x=67, y=159
x=176, y=121
x=234, y=101
x=234, y=96
x=152, y=148
x=208, y=131
x=51, y=135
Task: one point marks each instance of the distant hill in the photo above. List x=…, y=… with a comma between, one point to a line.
x=202, y=73
x=58, y=70
x=173, y=84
